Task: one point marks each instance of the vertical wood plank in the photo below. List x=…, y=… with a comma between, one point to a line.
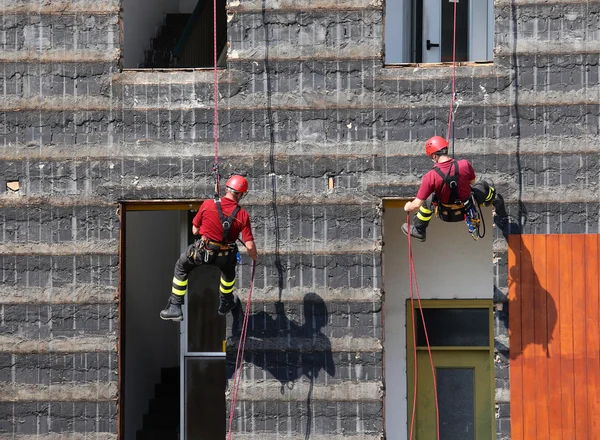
x=554, y=354
x=592, y=320
x=578, y=296
x=540, y=346
x=514, y=332
x=528, y=337
x=567, y=381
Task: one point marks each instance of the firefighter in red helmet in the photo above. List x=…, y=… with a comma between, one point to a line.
x=219, y=224
x=448, y=186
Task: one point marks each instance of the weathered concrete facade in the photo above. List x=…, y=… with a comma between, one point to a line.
x=305, y=97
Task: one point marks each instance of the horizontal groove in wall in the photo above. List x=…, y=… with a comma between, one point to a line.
x=91, y=247
x=59, y=56
x=74, y=436
x=110, y=247
x=343, y=344
x=270, y=295
x=91, y=392
x=62, y=7
x=175, y=76
x=78, y=294
x=94, y=344
x=78, y=344
x=523, y=3
x=311, y=102
x=531, y=46
x=82, y=153
x=308, y=6
x=270, y=390
x=285, y=52
x=282, y=200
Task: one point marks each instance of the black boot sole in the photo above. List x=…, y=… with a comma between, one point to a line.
x=176, y=319
x=236, y=302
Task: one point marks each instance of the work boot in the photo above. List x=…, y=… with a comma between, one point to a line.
x=499, y=208
x=414, y=232
x=227, y=302
x=173, y=310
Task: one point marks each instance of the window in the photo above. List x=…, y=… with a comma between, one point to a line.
x=460, y=336
x=172, y=34
x=422, y=31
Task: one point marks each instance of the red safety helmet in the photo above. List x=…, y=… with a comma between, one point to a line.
x=435, y=144
x=237, y=183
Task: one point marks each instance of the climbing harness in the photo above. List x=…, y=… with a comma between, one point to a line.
x=451, y=180
x=414, y=290
x=458, y=210
x=239, y=359
x=226, y=221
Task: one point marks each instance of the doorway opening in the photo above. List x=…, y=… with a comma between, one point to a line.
x=172, y=376
x=451, y=268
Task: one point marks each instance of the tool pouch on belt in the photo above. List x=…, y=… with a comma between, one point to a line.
x=454, y=212
x=212, y=250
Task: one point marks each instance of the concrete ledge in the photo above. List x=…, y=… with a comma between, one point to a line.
x=307, y=6
x=296, y=294
x=336, y=345
x=78, y=294
x=62, y=7
x=92, y=247
x=79, y=344
x=270, y=390
x=82, y=436
x=59, y=56
x=93, y=392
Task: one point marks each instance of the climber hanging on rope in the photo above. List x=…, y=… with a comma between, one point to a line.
x=219, y=223
x=450, y=187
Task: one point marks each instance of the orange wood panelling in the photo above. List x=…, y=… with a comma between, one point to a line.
x=554, y=331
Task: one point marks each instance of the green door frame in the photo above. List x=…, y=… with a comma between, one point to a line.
x=451, y=356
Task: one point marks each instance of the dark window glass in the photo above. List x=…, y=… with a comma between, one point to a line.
x=456, y=399
x=454, y=327
x=206, y=328
x=462, y=30
x=205, y=398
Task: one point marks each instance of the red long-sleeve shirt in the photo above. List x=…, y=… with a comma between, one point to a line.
x=208, y=221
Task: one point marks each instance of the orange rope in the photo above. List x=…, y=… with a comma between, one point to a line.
x=414, y=288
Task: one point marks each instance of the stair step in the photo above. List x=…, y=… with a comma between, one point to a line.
x=157, y=434
x=169, y=375
x=160, y=421
x=166, y=390
x=164, y=405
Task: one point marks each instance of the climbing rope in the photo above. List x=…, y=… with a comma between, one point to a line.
x=239, y=359
x=453, y=98
x=216, y=103
x=414, y=289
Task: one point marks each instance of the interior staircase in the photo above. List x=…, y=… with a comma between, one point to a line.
x=160, y=54
x=161, y=422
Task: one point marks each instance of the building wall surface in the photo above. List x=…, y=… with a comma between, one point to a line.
x=305, y=98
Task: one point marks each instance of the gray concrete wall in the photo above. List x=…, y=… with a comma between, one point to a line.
x=305, y=97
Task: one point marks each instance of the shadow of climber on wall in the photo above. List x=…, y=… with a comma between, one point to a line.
x=285, y=349
x=531, y=298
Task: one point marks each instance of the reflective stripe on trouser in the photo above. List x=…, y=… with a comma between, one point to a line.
x=490, y=194
x=227, y=286
x=424, y=214
x=179, y=287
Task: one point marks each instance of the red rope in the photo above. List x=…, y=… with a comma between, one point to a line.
x=413, y=276
x=216, y=102
x=239, y=358
x=453, y=99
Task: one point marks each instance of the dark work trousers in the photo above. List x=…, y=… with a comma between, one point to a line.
x=483, y=192
x=196, y=255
